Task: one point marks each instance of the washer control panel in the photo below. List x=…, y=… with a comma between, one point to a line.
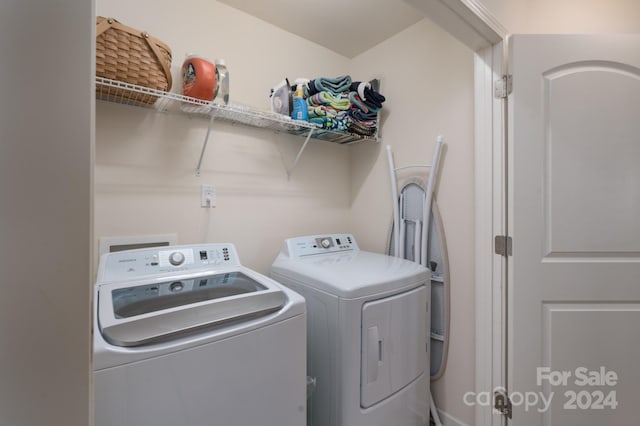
x=320, y=244
x=132, y=264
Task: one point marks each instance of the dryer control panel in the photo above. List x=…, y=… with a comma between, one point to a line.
x=319, y=244
x=133, y=264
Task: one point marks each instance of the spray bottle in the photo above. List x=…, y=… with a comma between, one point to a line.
x=299, y=105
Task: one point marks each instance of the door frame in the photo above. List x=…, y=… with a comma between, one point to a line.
x=491, y=270
x=471, y=22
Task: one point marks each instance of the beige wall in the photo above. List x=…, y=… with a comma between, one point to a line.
x=427, y=77
x=145, y=161
x=46, y=147
x=566, y=16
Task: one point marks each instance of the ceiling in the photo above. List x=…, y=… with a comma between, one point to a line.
x=347, y=27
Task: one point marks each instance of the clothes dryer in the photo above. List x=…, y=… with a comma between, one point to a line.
x=186, y=335
x=368, y=319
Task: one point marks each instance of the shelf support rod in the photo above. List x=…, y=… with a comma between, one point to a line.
x=295, y=162
x=204, y=145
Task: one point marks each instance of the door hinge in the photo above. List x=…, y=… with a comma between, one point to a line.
x=503, y=86
x=502, y=404
x=503, y=245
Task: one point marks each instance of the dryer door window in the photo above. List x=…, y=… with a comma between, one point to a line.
x=394, y=344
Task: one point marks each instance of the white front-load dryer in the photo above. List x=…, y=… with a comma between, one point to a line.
x=367, y=322
x=186, y=335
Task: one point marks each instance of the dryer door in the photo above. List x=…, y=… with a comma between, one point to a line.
x=394, y=344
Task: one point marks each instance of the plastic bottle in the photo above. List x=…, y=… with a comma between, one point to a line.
x=222, y=87
x=300, y=111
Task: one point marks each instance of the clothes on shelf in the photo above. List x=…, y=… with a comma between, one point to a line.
x=339, y=103
x=335, y=86
x=328, y=99
x=329, y=118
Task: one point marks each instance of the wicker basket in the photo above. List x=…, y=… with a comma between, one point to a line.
x=132, y=56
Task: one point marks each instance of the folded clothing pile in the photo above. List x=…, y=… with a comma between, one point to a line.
x=342, y=104
x=329, y=118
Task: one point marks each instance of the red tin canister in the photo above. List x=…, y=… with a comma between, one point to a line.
x=198, y=78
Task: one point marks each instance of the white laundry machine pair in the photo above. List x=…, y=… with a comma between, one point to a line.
x=185, y=335
x=367, y=336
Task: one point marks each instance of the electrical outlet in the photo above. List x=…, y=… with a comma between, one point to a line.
x=208, y=196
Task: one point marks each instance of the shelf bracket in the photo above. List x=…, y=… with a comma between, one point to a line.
x=295, y=162
x=204, y=145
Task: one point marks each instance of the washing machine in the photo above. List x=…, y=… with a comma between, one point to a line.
x=186, y=335
x=367, y=318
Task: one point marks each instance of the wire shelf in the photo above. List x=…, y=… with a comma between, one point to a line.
x=131, y=94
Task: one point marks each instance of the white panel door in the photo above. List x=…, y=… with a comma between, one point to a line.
x=574, y=189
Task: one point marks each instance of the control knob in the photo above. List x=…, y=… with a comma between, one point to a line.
x=176, y=258
x=176, y=286
x=326, y=243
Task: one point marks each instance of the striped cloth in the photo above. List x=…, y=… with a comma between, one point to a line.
x=327, y=99
x=335, y=86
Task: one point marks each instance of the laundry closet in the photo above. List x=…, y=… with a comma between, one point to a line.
x=146, y=161
x=71, y=177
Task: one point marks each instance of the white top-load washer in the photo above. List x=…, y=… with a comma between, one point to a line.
x=367, y=331
x=185, y=335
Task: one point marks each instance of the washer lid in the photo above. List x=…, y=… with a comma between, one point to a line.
x=143, y=313
x=351, y=274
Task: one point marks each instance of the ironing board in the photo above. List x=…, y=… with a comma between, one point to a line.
x=417, y=234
